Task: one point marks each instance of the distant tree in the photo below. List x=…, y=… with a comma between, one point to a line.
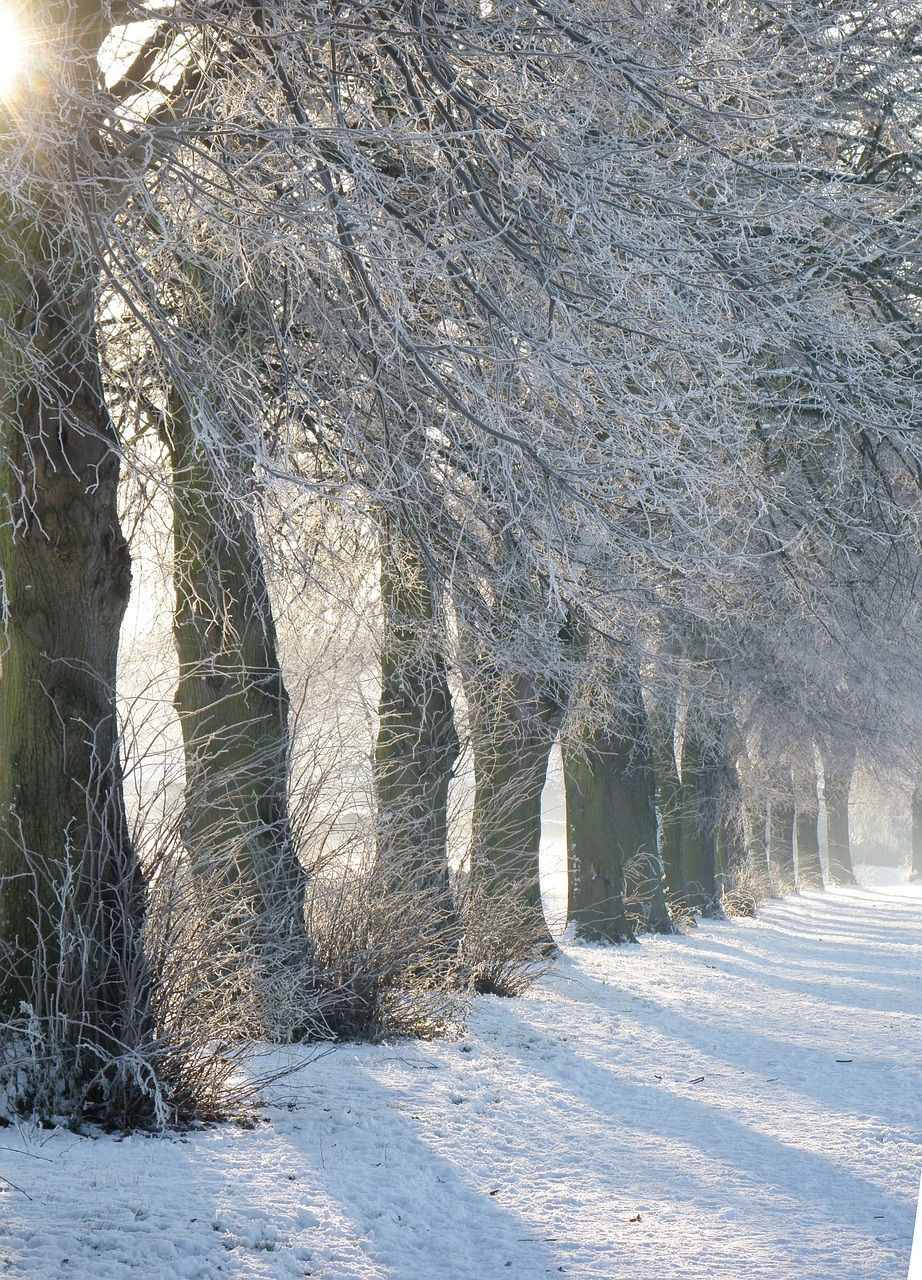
x=781, y=828
x=809, y=869
x=916, y=864
x=838, y=770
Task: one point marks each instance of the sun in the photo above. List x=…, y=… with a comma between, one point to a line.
x=13, y=48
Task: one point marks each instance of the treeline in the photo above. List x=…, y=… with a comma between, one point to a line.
x=566, y=357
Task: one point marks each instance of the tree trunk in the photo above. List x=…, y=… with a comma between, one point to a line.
x=781, y=830
x=700, y=795
x=416, y=746
x=809, y=870
x=514, y=720
x=754, y=814
x=668, y=792
x=838, y=768
x=757, y=832
x=595, y=856
x=232, y=704
x=634, y=806
x=730, y=846
x=916, y=869
x=67, y=868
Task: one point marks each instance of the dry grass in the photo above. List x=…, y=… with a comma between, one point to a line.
x=504, y=947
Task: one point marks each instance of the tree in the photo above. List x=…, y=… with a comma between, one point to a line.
x=838, y=769
x=71, y=891
x=641, y=290
x=515, y=713
x=781, y=828
x=916, y=834
x=700, y=795
x=416, y=745
x=231, y=701
x=668, y=797
x=205, y=394
x=611, y=823
x=595, y=855
x=809, y=869
x=730, y=835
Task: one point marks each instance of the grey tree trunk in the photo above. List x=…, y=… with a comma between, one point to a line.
x=611, y=827
x=67, y=867
x=700, y=797
x=668, y=794
x=754, y=813
x=757, y=832
x=806, y=797
x=416, y=746
x=616, y=882
x=730, y=841
x=514, y=721
x=916, y=868
x=231, y=701
x=595, y=856
x=838, y=768
x=635, y=807
x=781, y=829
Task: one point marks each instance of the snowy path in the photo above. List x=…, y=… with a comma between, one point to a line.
x=751, y=1091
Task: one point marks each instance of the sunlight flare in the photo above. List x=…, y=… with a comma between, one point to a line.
x=12, y=51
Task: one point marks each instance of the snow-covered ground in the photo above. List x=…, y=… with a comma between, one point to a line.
x=743, y=1103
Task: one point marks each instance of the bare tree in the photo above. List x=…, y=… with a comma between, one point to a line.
x=640, y=288
x=71, y=894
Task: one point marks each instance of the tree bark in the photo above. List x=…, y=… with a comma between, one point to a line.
x=757, y=832
x=754, y=813
x=634, y=804
x=416, y=746
x=67, y=868
x=838, y=768
x=730, y=845
x=915, y=872
x=781, y=830
x=231, y=701
x=514, y=721
x=668, y=794
x=806, y=797
x=700, y=795
x=595, y=856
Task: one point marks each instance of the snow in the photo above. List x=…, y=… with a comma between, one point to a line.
x=915, y=1258
x=743, y=1101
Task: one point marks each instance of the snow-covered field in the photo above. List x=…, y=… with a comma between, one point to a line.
x=744, y=1102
